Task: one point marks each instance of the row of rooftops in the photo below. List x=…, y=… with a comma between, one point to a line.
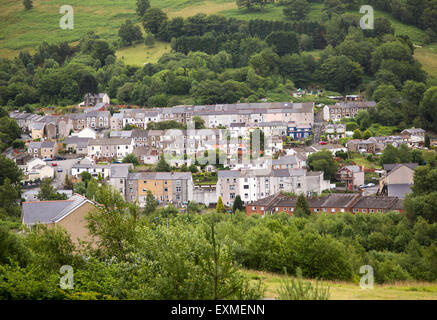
x=252, y=173
x=346, y=201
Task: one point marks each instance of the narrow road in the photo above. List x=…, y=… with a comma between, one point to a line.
x=318, y=123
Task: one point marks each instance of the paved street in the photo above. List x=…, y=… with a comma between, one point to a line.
x=318, y=123
x=66, y=165
x=370, y=191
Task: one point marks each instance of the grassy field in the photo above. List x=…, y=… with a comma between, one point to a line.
x=427, y=56
x=140, y=54
x=20, y=29
x=339, y=290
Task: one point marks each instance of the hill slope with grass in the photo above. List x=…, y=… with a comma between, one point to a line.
x=24, y=30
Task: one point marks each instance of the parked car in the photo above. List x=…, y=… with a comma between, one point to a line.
x=323, y=142
x=47, y=159
x=60, y=158
x=363, y=186
x=59, y=169
x=369, y=185
x=54, y=164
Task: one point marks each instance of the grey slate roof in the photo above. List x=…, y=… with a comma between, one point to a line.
x=391, y=167
x=50, y=211
x=386, y=203
x=290, y=159
x=160, y=176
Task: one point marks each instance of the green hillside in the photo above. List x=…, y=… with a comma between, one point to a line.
x=25, y=30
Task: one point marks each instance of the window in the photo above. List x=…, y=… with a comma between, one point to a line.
x=371, y=210
x=165, y=189
x=333, y=210
x=246, y=186
x=178, y=189
x=253, y=208
x=364, y=210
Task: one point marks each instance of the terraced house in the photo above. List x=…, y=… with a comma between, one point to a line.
x=94, y=120
x=333, y=203
x=43, y=149
x=167, y=187
x=110, y=148
x=252, y=185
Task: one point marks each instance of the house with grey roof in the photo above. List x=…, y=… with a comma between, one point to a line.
x=110, y=148
x=252, y=185
x=397, y=180
x=167, y=187
x=69, y=214
x=331, y=203
x=351, y=175
x=91, y=99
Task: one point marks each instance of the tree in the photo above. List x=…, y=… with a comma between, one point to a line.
x=151, y=203
x=199, y=123
x=367, y=134
x=28, y=4
x=10, y=170
x=238, y=204
x=91, y=189
x=86, y=176
x=357, y=134
x=129, y=33
x=153, y=19
x=341, y=74
x=80, y=188
x=220, y=208
x=68, y=185
x=87, y=84
x=131, y=158
x=142, y=6
x=162, y=165
x=323, y=161
x=101, y=50
x=428, y=108
x=302, y=207
x=149, y=41
x=47, y=192
x=9, y=196
x=427, y=141
x=390, y=155
x=283, y=42
x=193, y=168
x=113, y=224
x=193, y=207
x=296, y=9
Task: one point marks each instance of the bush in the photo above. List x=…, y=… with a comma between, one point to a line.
x=297, y=289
